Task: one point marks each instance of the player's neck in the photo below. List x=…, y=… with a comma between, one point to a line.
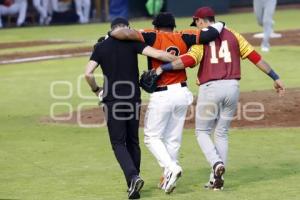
x=165, y=29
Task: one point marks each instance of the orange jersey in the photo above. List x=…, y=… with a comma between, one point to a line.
x=176, y=43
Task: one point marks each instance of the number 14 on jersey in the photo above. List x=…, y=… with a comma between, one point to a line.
x=223, y=52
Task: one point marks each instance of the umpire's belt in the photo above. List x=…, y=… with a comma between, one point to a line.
x=164, y=88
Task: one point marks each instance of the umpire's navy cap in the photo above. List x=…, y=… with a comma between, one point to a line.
x=119, y=20
x=202, y=12
x=164, y=20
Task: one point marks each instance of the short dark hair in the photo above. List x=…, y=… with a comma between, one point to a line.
x=164, y=20
x=119, y=21
x=210, y=19
x=118, y=25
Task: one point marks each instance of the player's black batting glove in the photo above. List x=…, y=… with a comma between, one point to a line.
x=148, y=81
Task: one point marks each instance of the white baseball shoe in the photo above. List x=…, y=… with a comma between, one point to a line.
x=265, y=49
x=171, y=179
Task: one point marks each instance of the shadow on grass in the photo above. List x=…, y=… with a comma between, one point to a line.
x=189, y=183
x=253, y=174
x=194, y=180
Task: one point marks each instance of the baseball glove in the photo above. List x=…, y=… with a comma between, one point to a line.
x=148, y=81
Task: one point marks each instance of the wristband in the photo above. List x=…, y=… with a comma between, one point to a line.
x=254, y=57
x=167, y=67
x=273, y=75
x=96, y=90
x=188, y=61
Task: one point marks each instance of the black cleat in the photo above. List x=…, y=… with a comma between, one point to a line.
x=209, y=185
x=135, y=187
x=219, y=170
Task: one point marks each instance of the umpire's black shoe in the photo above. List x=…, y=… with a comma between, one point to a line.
x=135, y=187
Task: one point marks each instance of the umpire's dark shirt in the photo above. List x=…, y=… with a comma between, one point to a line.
x=119, y=63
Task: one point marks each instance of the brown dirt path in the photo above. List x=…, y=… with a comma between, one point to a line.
x=278, y=112
x=290, y=37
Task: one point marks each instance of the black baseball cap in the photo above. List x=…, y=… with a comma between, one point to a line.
x=164, y=20
x=119, y=20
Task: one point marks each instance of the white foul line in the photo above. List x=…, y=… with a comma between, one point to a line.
x=44, y=58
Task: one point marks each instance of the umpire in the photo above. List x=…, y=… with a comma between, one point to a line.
x=122, y=98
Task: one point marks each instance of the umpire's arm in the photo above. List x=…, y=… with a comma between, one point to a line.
x=126, y=34
x=90, y=78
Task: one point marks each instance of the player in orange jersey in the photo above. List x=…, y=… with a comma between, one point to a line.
x=168, y=105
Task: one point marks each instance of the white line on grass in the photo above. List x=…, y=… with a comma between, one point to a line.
x=44, y=58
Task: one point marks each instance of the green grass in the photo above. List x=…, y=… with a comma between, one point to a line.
x=63, y=162
x=54, y=162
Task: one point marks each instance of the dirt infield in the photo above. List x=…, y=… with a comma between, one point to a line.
x=290, y=37
x=277, y=112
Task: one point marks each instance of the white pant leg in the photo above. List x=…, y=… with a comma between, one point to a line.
x=86, y=10
x=182, y=98
x=227, y=112
x=42, y=8
x=54, y=5
x=207, y=111
x=156, y=119
x=11, y=10
x=38, y=6
x=46, y=4
x=270, y=6
x=258, y=7
x=19, y=8
x=2, y=11
x=173, y=133
x=22, y=12
x=79, y=12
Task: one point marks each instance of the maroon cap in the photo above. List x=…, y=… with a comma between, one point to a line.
x=202, y=12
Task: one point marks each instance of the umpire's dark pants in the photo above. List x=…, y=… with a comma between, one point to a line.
x=123, y=124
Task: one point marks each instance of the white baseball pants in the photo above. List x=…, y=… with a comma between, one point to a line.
x=19, y=7
x=42, y=7
x=264, y=11
x=164, y=121
x=83, y=8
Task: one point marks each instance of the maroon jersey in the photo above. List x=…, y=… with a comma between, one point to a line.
x=221, y=59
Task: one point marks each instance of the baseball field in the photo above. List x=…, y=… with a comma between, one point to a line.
x=45, y=155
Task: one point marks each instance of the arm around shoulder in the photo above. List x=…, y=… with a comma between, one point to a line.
x=211, y=32
x=158, y=54
x=126, y=34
